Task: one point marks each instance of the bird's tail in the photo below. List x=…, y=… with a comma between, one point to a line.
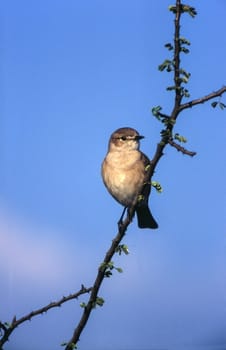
x=145, y=218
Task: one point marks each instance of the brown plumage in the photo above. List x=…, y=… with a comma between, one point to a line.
x=125, y=173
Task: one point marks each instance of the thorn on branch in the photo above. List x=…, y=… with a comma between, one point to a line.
x=83, y=289
x=14, y=320
x=181, y=149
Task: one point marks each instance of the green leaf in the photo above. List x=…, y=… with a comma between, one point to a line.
x=180, y=138
x=110, y=265
x=189, y=9
x=171, y=121
x=170, y=88
x=167, y=64
x=140, y=198
x=119, y=269
x=185, y=73
x=108, y=274
x=172, y=8
x=184, y=41
x=174, y=87
x=157, y=186
x=182, y=80
x=184, y=8
x=169, y=69
x=155, y=111
x=99, y=301
x=169, y=46
x=125, y=249
x=103, y=266
x=214, y=104
x=222, y=105
x=165, y=121
x=162, y=143
x=72, y=345
x=185, y=92
x=184, y=49
x=147, y=167
x=83, y=305
x=122, y=248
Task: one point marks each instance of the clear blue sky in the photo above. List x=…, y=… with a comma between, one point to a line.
x=71, y=73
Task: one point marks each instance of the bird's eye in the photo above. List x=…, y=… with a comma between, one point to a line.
x=123, y=138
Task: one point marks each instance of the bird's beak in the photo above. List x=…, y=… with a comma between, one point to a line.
x=139, y=137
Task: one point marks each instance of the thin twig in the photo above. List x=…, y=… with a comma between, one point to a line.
x=203, y=99
x=7, y=330
x=181, y=149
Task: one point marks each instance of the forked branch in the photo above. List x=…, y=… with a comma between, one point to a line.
x=7, y=329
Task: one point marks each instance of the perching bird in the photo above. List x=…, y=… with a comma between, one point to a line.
x=125, y=172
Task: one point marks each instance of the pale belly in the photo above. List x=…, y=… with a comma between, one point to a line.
x=124, y=182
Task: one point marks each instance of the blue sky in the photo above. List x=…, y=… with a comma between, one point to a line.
x=71, y=73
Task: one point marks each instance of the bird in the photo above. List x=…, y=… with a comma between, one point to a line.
x=125, y=172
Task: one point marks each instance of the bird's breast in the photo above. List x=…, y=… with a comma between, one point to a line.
x=123, y=175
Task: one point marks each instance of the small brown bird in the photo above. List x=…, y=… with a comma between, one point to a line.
x=125, y=172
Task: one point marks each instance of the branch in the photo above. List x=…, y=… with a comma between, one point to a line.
x=177, y=109
x=204, y=99
x=177, y=49
x=166, y=138
x=101, y=274
x=181, y=149
x=7, y=330
x=178, y=96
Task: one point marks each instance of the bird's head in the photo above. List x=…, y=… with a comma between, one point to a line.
x=125, y=139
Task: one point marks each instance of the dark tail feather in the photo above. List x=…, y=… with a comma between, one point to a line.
x=145, y=218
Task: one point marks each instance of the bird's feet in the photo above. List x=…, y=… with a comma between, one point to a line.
x=120, y=222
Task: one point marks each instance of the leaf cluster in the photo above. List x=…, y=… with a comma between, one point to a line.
x=180, y=45
x=122, y=248
x=107, y=268
x=98, y=302
x=184, y=9
x=157, y=186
